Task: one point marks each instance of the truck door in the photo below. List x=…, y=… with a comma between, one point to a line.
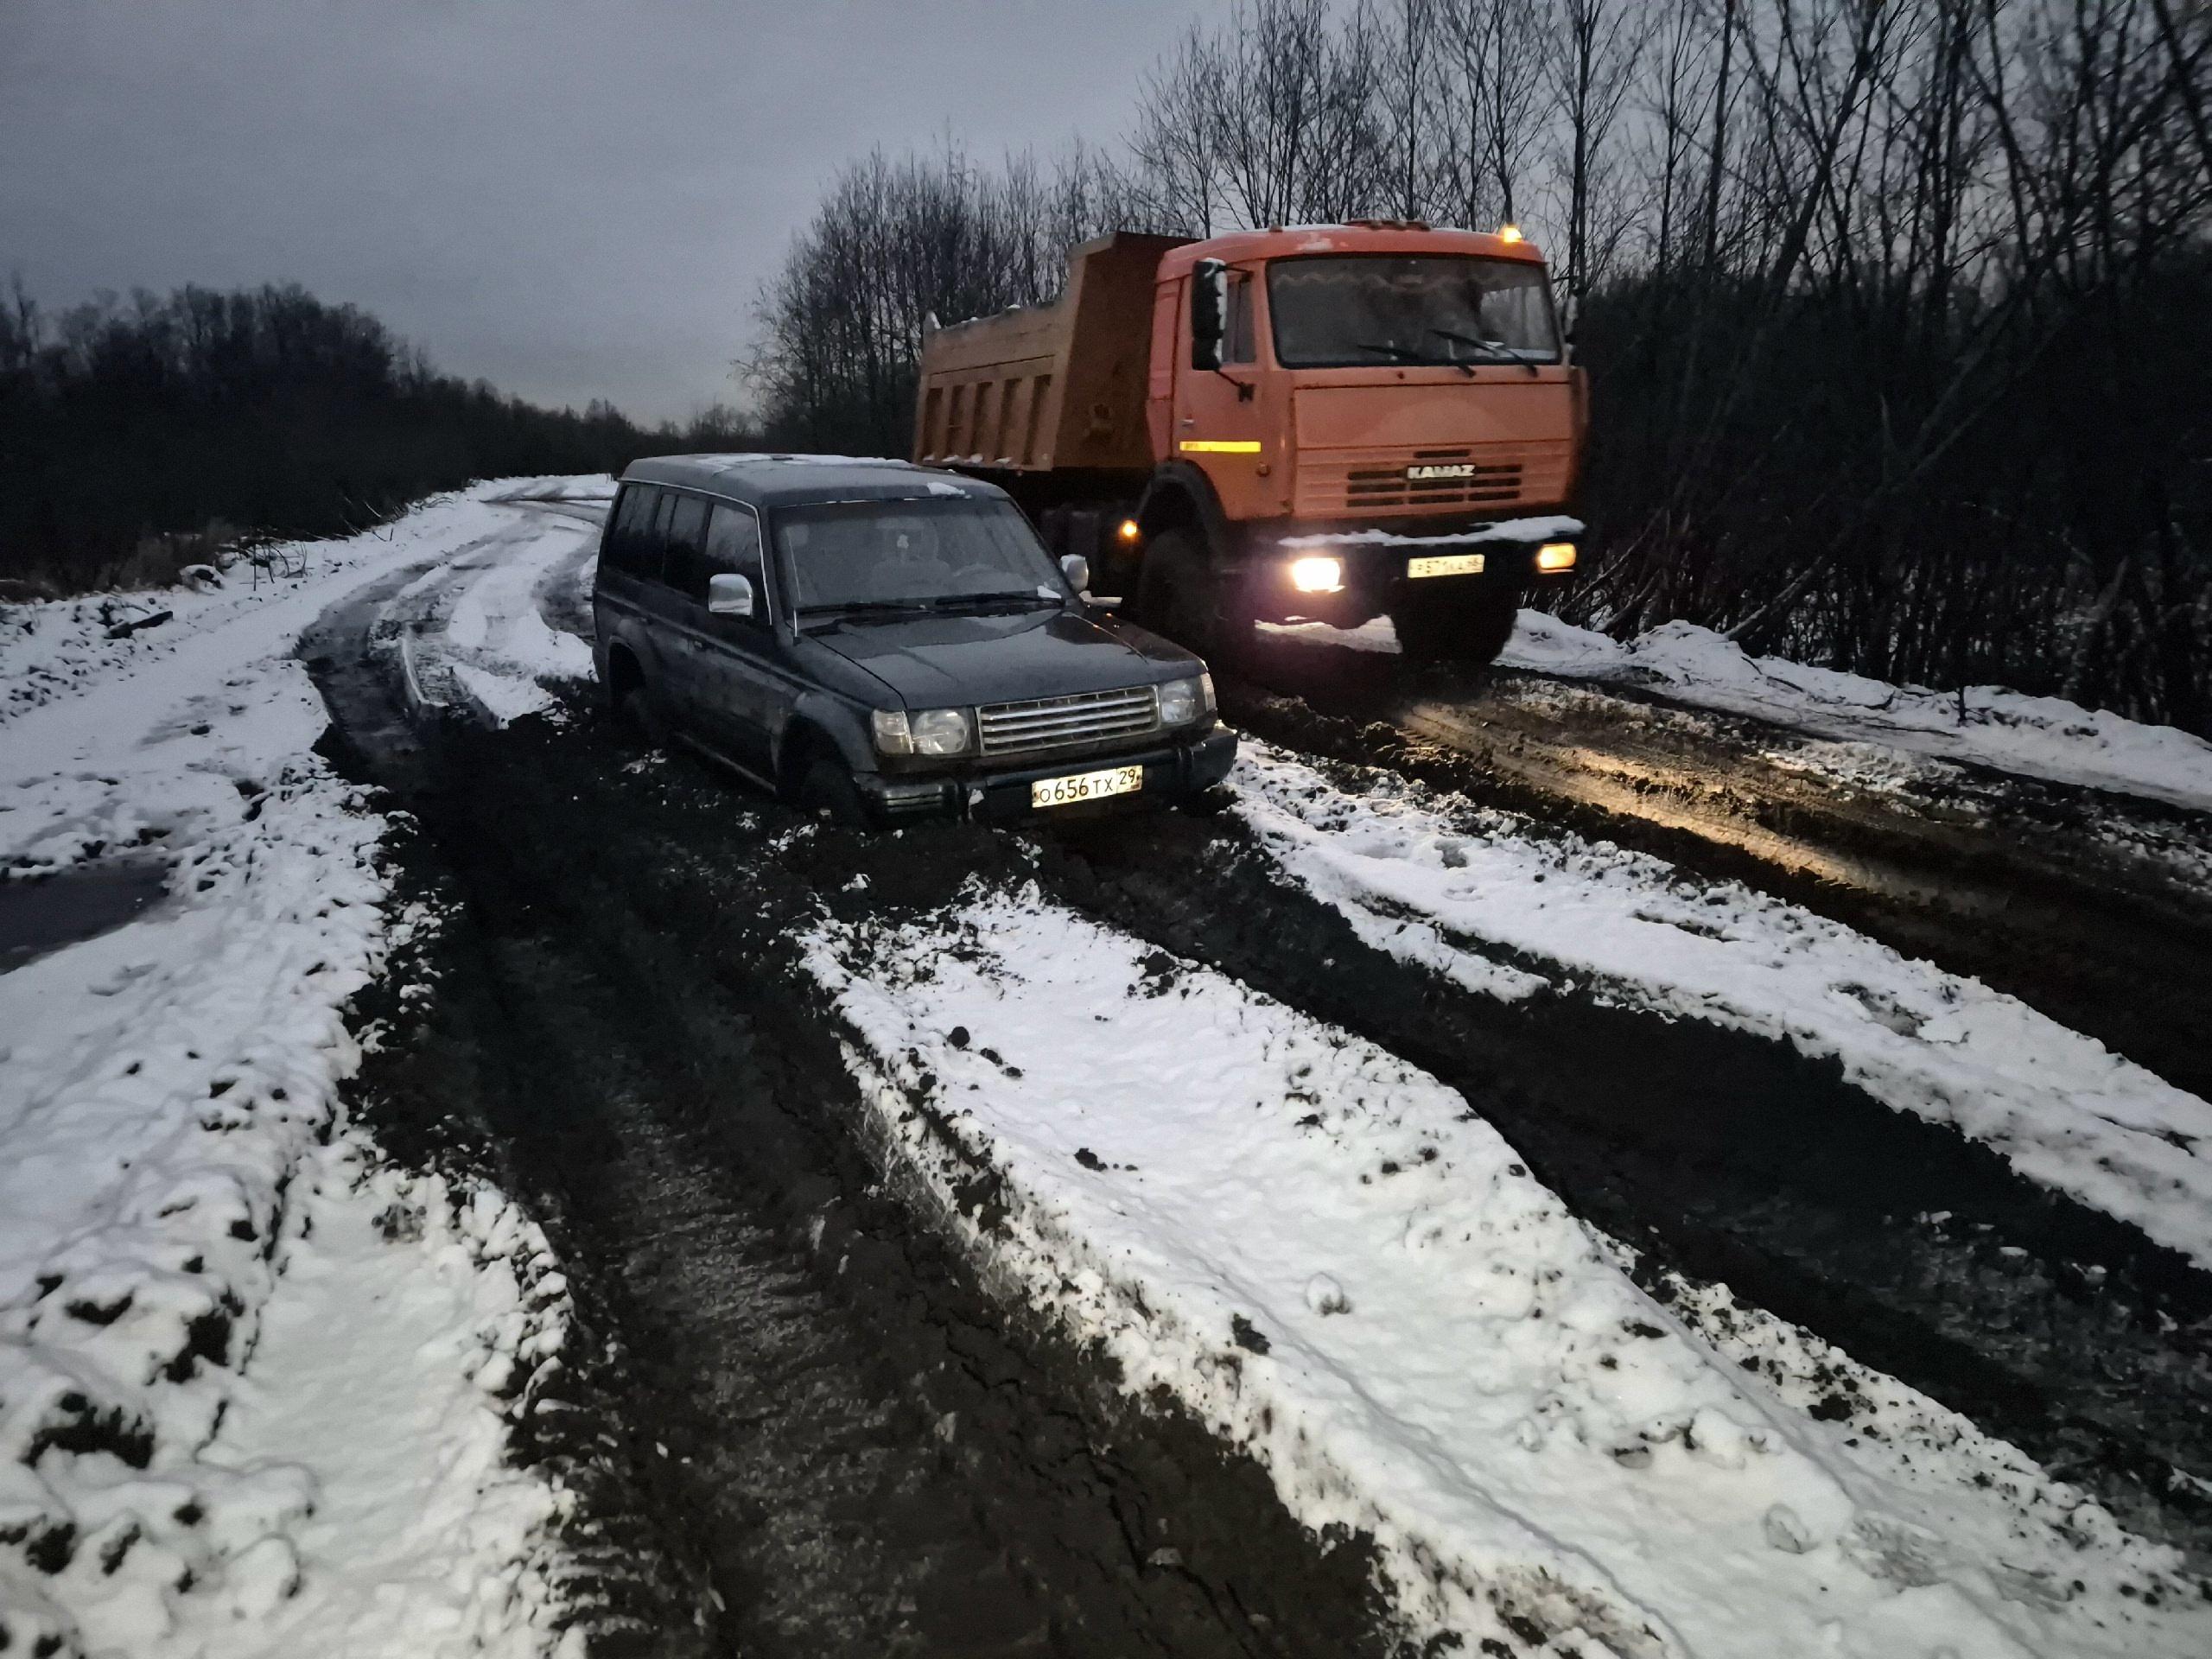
x=1220, y=423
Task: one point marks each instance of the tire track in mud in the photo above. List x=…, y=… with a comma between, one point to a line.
x=1728, y=1157
x=2017, y=884
x=863, y=1453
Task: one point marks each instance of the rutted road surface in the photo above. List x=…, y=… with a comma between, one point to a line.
x=817, y=1404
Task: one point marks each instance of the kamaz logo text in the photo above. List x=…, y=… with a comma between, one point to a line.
x=1454, y=469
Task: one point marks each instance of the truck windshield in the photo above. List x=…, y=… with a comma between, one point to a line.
x=1371, y=310
x=933, y=555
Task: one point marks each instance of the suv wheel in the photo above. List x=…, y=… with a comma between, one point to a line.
x=827, y=787
x=637, y=705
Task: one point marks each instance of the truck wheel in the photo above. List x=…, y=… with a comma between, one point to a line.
x=827, y=787
x=1180, y=593
x=1470, y=630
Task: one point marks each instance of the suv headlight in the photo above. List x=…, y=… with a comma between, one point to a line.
x=893, y=734
x=1182, y=701
x=939, y=731
x=930, y=731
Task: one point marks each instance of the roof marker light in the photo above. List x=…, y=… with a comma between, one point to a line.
x=1509, y=232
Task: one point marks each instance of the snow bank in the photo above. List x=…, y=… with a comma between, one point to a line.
x=1432, y=880
x=1988, y=725
x=250, y=1385
x=1329, y=1258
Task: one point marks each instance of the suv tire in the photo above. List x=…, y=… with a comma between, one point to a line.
x=827, y=787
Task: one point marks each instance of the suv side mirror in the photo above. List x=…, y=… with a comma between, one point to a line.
x=1209, y=311
x=1077, y=570
x=729, y=595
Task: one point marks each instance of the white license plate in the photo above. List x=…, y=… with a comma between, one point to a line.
x=1086, y=786
x=1446, y=564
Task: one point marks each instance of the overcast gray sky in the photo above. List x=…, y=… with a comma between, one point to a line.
x=572, y=197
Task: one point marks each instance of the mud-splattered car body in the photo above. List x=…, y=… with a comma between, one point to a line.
x=888, y=642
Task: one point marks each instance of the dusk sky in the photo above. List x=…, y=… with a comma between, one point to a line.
x=571, y=198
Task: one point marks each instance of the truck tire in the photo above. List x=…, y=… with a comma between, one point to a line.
x=1469, y=630
x=1180, y=595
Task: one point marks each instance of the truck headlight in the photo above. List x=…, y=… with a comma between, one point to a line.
x=1555, y=555
x=1317, y=576
x=1182, y=701
x=939, y=731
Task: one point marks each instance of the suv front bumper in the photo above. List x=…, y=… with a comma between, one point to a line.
x=1173, y=770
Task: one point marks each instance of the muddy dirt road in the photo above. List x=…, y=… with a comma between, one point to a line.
x=818, y=1423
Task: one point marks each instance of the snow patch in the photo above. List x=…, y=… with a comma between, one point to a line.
x=1435, y=880
x=1324, y=1254
x=1986, y=725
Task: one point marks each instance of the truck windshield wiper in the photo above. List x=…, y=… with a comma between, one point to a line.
x=1403, y=353
x=1495, y=351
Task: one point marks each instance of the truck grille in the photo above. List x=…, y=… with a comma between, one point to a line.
x=1068, y=722
x=1375, y=481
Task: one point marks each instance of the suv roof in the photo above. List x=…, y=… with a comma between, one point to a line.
x=770, y=480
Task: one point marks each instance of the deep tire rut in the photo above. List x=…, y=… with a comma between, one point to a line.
x=834, y=1437
x=1730, y=1159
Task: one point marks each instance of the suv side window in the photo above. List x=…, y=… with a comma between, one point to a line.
x=629, y=534
x=734, y=548
x=686, y=570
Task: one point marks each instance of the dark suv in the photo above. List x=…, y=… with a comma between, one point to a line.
x=885, y=641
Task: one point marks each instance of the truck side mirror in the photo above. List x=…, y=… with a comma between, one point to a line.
x=1209, y=311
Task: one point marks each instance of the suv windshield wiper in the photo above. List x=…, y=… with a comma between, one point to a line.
x=1030, y=596
x=832, y=613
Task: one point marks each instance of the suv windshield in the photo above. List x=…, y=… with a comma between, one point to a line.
x=1372, y=309
x=936, y=554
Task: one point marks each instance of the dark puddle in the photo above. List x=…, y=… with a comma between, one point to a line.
x=40, y=915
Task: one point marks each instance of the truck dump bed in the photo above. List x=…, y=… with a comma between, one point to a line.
x=1052, y=387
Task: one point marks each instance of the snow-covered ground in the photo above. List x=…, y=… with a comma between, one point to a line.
x=1986, y=725
x=253, y=1383
x=1332, y=1261
x=1433, y=880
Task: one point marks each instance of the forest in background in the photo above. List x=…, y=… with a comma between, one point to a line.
x=1898, y=313
x=138, y=436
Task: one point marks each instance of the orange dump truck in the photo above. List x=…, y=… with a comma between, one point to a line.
x=1331, y=424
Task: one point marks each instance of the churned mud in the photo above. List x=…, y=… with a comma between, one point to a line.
x=810, y=1428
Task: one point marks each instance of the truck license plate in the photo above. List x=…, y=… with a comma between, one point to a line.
x=1086, y=786
x=1446, y=564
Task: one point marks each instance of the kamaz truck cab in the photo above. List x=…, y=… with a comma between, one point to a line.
x=1330, y=423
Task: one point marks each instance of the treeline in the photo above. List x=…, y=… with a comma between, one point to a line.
x=1898, y=312
x=139, y=436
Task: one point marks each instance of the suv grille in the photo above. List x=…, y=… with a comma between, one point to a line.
x=1068, y=722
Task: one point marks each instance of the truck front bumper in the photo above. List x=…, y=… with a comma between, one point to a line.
x=1375, y=576
x=1173, y=770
